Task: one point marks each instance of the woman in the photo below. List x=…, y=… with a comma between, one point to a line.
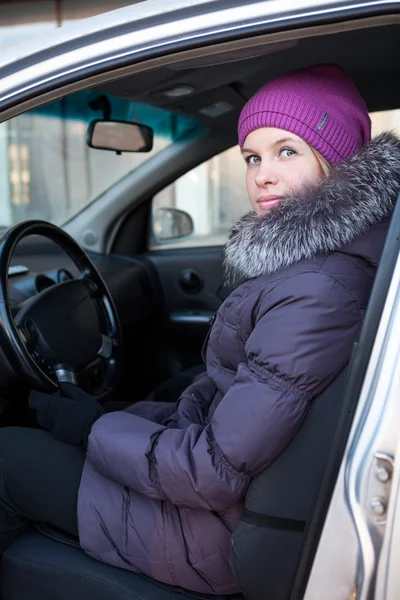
x=163, y=485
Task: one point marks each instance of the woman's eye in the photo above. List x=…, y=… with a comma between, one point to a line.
x=286, y=152
x=252, y=159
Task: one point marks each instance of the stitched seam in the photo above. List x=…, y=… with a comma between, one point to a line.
x=325, y=275
x=348, y=292
x=228, y=325
x=168, y=544
x=216, y=451
x=276, y=284
x=244, y=296
x=355, y=261
x=241, y=342
x=365, y=268
x=125, y=501
x=153, y=474
x=222, y=369
x=324, y=263
x=260, y=369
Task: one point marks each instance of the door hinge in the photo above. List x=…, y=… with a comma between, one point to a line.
x=380, y=482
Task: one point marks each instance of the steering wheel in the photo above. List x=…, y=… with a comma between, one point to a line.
x=59, y=333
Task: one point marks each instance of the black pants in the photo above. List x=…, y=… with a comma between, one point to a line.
x=40, y=477
x=39, y=481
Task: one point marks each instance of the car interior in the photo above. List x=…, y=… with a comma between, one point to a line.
x=160, y=293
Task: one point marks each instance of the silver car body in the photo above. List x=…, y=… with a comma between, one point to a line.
x=360, y=543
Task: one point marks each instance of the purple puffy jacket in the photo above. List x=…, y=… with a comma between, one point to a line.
x=163, y=486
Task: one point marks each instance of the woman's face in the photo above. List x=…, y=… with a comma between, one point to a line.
x=278, y=164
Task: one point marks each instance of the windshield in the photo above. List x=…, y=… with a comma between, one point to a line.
x=49, y=172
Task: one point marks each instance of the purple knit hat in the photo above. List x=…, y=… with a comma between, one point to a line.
x=320, y=104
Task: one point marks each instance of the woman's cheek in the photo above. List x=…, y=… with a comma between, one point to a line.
x=250, y=185
x=296, y=177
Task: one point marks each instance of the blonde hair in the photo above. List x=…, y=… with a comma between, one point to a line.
x=323, y=163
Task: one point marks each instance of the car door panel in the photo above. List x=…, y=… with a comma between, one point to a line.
x=191, y=280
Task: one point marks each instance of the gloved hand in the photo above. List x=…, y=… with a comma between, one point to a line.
x=68, y=414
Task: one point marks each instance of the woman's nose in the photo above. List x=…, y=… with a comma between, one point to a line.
x=266, y=175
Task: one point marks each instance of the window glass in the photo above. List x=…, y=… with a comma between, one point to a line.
x=214, y=193
x=49, y=172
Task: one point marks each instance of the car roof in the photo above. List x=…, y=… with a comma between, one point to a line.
x=218, y=84
x=149, y=12
x=138, y=12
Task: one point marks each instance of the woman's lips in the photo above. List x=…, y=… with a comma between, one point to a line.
x=267, y=202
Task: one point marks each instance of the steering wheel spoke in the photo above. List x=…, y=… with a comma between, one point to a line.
x=91, y=286
x=107, y=347
x=65, y=375
x=23, y=336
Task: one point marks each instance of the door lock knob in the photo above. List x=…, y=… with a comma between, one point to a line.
x=191, y=281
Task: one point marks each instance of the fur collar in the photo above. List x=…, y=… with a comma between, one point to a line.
x=360, y=192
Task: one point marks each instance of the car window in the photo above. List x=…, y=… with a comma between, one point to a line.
x=214, y=195
x=48, y=170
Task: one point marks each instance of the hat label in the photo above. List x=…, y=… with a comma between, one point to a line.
x=323, y=121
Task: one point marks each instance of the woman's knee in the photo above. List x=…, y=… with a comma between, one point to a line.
x=22, y=443
x=16, y=442
x=8, y=436
x=30, y=456
x=41, y=475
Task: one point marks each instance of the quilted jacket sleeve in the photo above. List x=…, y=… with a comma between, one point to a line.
x=299, y=344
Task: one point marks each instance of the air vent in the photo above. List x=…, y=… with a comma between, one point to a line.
x=42, y=282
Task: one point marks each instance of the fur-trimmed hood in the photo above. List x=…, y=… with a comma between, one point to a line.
x=360, y=192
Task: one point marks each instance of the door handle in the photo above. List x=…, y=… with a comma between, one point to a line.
x=202, y=318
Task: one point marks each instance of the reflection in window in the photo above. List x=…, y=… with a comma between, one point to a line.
x=19, y=174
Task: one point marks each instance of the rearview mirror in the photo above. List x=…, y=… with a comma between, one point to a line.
x=120, y=136
x=170, y=224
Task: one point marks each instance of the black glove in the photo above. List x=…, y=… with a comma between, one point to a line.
x=68, y=414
